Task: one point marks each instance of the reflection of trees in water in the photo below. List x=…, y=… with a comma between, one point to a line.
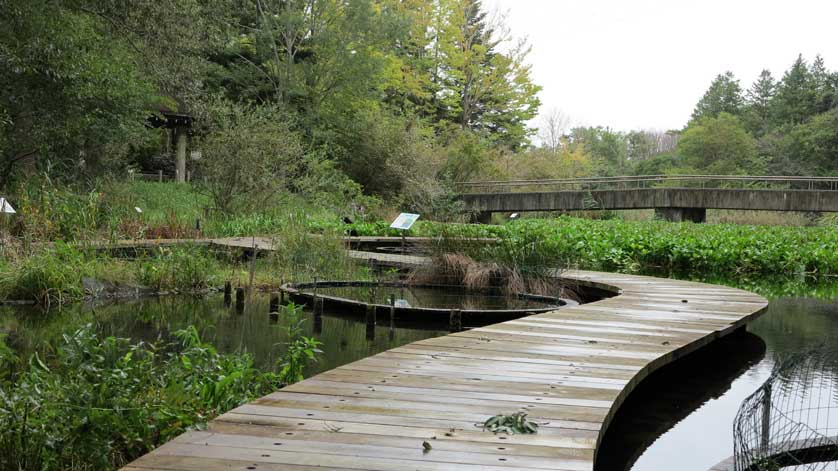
x=344, y=339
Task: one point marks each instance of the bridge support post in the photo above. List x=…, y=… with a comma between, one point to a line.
x=483, y=217
x=682, y=214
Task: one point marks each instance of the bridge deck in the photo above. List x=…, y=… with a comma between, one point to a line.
x=569, y=369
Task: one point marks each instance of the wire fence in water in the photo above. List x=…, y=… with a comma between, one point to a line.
x=791, y=422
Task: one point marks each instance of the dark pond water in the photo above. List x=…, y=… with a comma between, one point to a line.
x=682, y=418
x=344, y=338
x=433, y=298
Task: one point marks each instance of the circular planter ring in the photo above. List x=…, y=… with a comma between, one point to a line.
x=302, y=293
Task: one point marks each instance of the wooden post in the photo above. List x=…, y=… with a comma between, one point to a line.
x=240, y=300
x=392, y=332
x=253, y=253
x=274, y=305
x=370, y=321
x=159, y=176
x=228, y=293
x=318, y=315
x=455, y=320
x=766, y=417
x=180, y=149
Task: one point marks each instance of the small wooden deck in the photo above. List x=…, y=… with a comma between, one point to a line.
x=569, y=369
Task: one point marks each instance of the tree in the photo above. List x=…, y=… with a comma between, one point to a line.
x=73, y=94
x=826, y=86
x=249, y=155
x=554, y=125
x=481, y=88
x=797, y=95
x=758, y=103
x=723, y=96
x=812, y=147
x=607, y=148
x=720, y=146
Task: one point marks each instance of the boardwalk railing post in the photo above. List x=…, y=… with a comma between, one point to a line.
x=455, y=320
x=228, y=294
x=240, y=300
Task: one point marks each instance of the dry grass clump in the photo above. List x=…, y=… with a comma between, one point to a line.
x=463, y=272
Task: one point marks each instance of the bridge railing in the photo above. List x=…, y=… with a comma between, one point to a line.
x=653, y=181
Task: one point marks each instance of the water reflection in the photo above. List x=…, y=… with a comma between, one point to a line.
x=345, y=338
x=698, y=433
x=674, y=392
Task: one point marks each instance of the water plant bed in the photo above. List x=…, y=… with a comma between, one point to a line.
x=423, y=302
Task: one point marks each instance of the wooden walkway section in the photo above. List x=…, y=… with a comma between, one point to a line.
x=569, y=369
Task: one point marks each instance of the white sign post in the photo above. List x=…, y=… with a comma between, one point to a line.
x=403, y=223
x=5, y=208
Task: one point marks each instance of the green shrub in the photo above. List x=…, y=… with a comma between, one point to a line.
x=102, y=402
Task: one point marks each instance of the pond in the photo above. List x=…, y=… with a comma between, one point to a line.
x=680, y=419
x=683, y=417
x=344, y=338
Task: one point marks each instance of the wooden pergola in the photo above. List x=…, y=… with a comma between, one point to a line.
x=180, y=125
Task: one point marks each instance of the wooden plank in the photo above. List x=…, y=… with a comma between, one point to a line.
x=569, y=369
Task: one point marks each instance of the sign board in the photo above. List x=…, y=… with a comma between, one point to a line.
x=404, y=221
x=402, y=304
x=6, y=207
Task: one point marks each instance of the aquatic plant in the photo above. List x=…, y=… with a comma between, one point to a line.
x=646, y=246
x=51, y=276
x=300, y=350
x=179, y=268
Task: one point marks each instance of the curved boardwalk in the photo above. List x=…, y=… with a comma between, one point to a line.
x=570, y=369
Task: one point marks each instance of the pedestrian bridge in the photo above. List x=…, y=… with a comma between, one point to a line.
x=673, y=197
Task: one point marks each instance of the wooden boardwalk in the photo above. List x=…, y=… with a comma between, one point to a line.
x=569, y=369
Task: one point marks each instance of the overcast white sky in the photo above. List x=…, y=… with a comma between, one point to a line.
x=643, y=64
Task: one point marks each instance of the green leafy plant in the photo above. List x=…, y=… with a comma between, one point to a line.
x=301, y=350
x=100, y=402
x=516, y=423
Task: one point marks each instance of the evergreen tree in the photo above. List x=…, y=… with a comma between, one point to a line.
x=758, y=103
x=797, y=95
x=825, y=86
x=723, y=96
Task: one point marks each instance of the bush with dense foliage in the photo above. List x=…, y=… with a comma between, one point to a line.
x=102, y=402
